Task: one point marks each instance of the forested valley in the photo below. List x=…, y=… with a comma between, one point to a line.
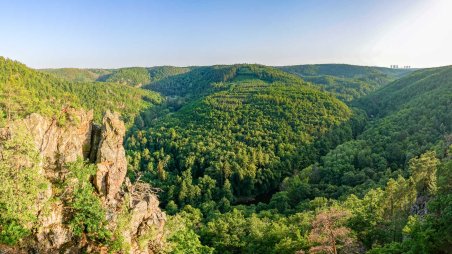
x=250, y=158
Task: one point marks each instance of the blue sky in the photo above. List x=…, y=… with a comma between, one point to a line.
x=118, y=33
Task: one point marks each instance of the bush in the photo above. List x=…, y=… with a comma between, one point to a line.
x=19, y=177
x=88, y=214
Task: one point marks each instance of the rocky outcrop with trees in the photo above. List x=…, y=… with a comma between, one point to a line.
x=75, y=197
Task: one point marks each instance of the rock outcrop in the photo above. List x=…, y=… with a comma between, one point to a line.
x=111, y=160
x=59, y=145
x=103, y=145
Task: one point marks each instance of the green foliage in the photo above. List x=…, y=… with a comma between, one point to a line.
x=182, y=238
x=135, y=76
x=162, y=72
x=21, y=186
x=88, y=216
x=433, y=233
x=24, y=91
x=412, y=117
x=235, y=232
x=78, y=75
x=205, y=80
x=100, y=97
x=249, y=135
x=118, y=242
x=423, y=171
x=347, y=82
x=226, y=139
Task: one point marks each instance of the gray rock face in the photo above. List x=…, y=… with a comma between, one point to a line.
x=59, y=145
x=53, y=234
x=145, y=215
x=102, y=145
x=111, y=157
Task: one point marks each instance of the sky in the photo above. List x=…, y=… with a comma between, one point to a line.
x=121, y=33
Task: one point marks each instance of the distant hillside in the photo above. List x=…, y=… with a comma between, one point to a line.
x=78, y=75
x=347, y=82
x=343, y=70
x=204, y=80
x=422, y=84
x=24, y=91
x=132, y=76
x=160, y=72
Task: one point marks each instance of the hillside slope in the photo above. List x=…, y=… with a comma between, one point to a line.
x=24, y=91
x=408, y=117
x=347, y=82
x=243, y=128
x=78, y=75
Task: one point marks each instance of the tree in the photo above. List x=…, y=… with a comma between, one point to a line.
x=182, y=239
x=87, y=212
x=329, y=234
x=228, y=232
x=21, y=186
x=398, y=199
x=171, y=208
x=423, y=170
x=15, y=98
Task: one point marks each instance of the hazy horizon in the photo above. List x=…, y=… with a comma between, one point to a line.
x=114, y=34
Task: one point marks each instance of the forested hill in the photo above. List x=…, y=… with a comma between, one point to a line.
x=79, y=75
x=344, y=70
x=423, y=86
x=132, y=76
x=242, y=130
x=347, y=82
x=408, y=117
x=204, y=80
x=24, y=91
x=241, y=134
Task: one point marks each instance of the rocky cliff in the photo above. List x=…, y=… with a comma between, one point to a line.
x=102, y=145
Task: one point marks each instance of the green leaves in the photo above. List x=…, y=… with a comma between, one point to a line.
x=11, y=231
x=423, y=170
x=21, y=186
x=87, y=214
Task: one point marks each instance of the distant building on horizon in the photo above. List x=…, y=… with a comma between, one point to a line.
x=395, y=66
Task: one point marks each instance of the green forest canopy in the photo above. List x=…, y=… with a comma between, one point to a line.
x=24, y=91
x=347, y=82
x=252, y=159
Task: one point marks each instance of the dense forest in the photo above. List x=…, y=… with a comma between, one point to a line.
x=79, y=75
x=347, y=82
x=256, y=159
x=24, y=91
x=242, y=137
x=135, y=76
x=370, y=168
